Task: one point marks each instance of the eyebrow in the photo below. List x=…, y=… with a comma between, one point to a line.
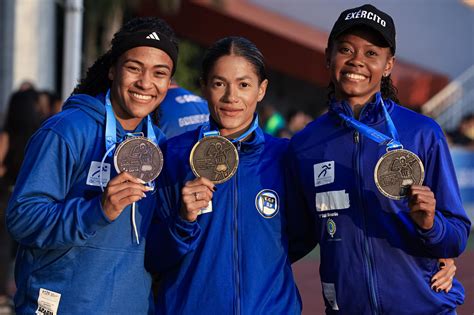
x=245, y=77
x=350, y=43
x=142, y=64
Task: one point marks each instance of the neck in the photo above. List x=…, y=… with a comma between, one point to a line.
x=358, y=103
x=236, y=134
x=129, y=124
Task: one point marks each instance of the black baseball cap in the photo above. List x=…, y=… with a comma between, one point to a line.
x=366, y=15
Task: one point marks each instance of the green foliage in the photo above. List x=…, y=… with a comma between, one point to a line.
x=189, y=62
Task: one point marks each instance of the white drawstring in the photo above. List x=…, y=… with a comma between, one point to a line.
x=134, y=223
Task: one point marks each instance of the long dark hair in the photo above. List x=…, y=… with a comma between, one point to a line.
x=234, y=45
x=96, y=80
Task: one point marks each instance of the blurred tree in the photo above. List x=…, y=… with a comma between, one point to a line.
x=102, y=18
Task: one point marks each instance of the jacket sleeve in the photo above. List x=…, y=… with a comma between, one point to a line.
x=449, y=234
x=300, y=222
x=169, y=238
x=39, y=213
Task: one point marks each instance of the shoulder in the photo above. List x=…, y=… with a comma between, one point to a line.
x=280, y=144
x=317, y=127
x=181, y=143
x=409, y=119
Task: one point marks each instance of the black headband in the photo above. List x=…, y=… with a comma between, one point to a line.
x=148, y=38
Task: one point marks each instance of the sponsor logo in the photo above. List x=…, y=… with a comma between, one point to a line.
x=323, y=173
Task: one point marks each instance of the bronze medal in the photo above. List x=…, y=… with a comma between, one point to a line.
x=215, y=158
x=140, y=157
x=396, y=171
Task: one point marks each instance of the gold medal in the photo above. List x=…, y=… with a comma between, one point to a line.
x=215, y=158
x=140, y=157
x=396, y=171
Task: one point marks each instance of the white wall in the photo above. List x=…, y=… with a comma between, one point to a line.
x=34, y=43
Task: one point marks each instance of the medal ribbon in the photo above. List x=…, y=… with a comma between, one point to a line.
x=110, y=127
x=110, y=143
x=207, y=126
x=392, y=142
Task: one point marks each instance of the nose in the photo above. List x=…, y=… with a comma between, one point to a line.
x=145, y=80
x=357, y=59
x=231, y=93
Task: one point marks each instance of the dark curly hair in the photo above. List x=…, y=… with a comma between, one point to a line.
x=96, y=80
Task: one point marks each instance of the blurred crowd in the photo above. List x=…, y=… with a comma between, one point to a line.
x=28, y=107
x=463, y=135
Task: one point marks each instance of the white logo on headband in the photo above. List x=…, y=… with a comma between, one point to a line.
x=153, y=36
x=362, y=14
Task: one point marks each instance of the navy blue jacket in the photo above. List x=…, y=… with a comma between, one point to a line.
x=234, y=259
x=67, y=244
x=374, y=258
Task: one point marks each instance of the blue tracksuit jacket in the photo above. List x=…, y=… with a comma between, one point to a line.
x=234, y=259
x=181, y=111
x=67, y=244
x=374, y=259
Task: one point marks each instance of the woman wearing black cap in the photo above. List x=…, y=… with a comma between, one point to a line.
x=382, y=193
x=81, y=240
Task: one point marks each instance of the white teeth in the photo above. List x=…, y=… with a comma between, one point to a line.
x=354, y=76
x=141, y=97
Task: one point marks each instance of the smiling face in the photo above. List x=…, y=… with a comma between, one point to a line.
x=233, y=91
x=140, y=79
x=357, y=61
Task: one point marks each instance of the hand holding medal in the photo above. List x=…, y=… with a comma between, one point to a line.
x=137, y=160
x=422, y=205
x=196, y=195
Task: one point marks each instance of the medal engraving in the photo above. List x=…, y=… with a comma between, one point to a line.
x=396, y=171
x=215, y=158
x=140, y=157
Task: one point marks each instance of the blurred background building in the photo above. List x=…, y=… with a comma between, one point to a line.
x=48, y=45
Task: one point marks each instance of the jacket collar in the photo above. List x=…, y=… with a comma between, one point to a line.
x=372, y=113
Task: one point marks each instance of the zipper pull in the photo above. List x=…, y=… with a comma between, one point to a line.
x=356, y=136
x=239, y=144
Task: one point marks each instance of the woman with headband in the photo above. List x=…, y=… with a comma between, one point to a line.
x=80, y=225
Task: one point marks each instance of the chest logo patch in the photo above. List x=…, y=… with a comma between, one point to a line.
x=323, y=173
x=267, y=203
x=95, y=174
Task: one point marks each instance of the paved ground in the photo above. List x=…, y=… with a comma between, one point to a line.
x=307, y=277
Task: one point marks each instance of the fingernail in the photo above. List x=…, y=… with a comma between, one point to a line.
x=438, y=290
x=141, y=181
x=214, y=188
x=144, y=195
x=433, y=280
x=148, y=188
x=442, y=264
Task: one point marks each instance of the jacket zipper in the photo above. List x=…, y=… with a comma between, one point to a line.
x=367, y=253
x=236, y=241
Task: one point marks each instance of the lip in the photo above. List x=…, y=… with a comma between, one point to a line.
x=231, y=112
